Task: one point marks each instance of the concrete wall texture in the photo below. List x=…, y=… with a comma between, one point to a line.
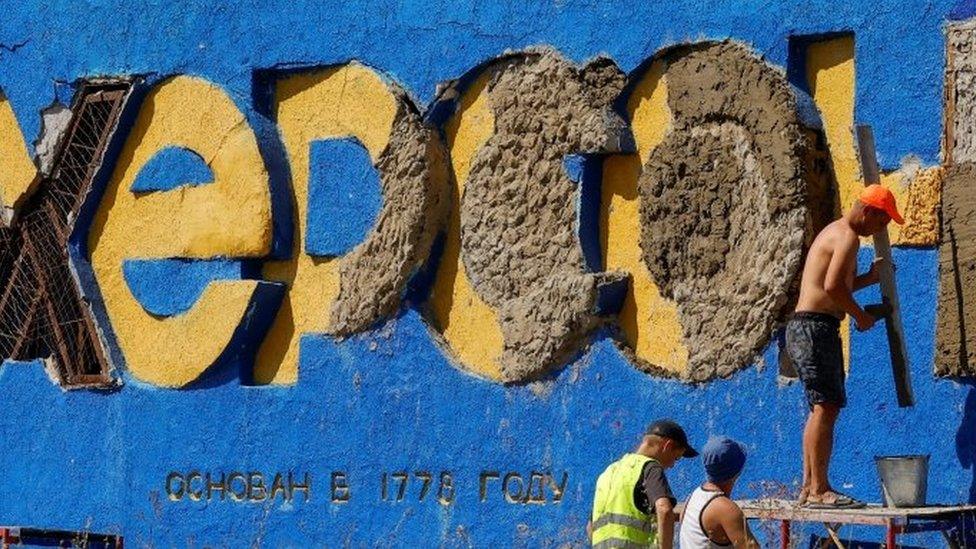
x=403, y=273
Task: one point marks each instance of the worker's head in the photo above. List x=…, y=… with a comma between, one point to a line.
x=872, y=211
x=724, y=460
x=665, y=441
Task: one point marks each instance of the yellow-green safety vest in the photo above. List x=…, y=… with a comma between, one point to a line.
x=617, y=522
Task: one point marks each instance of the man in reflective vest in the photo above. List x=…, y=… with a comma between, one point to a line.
x=633, y=505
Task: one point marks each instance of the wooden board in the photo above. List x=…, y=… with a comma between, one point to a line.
x=781, y=509
x=889, y=292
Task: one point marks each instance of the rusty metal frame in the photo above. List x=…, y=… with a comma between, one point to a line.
x=43, y=312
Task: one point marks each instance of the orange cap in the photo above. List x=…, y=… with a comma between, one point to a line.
x=882, y=199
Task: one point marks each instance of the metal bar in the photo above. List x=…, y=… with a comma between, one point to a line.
x=890, y=536
x=9, y=290
x=833, y=536
x=90, y=380
x=889, y=292
x=951, y=541
x=784, y=534
x=927, y=526
x=56, y=535
x=60, y=350
x=24, y=337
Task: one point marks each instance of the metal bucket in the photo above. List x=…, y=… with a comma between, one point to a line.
x=904, y=480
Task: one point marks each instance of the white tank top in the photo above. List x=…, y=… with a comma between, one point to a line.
x=693, y=534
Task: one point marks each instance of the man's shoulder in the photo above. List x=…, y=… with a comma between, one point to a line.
x=724, y=506
x=837, y=235
x=652, y=467
x=839, y=227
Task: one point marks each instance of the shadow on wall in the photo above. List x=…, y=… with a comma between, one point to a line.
x=966, y=437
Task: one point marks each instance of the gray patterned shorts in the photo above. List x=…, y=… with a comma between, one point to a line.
x=813, y=343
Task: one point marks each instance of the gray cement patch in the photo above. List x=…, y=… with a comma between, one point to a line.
x=960, y=128
x=955, y=335
x=519, y=240
x=54, y=125
x=414, y=177
x=723, y=203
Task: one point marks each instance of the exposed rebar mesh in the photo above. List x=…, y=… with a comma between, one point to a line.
x=42, y=312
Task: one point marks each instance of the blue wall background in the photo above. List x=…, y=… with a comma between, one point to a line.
x=899, y=44
x=389, y=400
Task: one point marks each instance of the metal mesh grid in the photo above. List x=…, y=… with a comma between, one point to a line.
x=42, y=312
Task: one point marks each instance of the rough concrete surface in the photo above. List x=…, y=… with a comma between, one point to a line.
x=414, y=175
x=723, y=203
x=955, y=337
x=54, y=124
x=821, y=183
x=519, y=240
x=921, y=214
x=960, y=124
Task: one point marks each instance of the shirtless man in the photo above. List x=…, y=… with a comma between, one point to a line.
x=813, y=333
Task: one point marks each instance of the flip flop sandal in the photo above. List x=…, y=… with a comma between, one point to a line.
x=842, y=502
x=802, y=497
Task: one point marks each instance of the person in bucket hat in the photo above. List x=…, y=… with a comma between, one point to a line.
x=711, y=519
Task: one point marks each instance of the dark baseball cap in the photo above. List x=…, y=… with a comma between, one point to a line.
x=669, y=429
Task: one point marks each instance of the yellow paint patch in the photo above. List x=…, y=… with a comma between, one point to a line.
x=649, y=322
x=17, y=171
x=831, y=77
x=469, y=325
x=230, y=217
x=346, y=101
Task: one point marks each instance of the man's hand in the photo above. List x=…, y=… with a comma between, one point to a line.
x=864, y=321
x=873, y=274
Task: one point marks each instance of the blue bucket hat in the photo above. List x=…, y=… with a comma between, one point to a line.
x=723, y=458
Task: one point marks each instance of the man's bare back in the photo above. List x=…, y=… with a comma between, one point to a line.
x=828, y=281
x=839, y=239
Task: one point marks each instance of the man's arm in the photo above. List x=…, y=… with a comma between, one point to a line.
x=842, y=262
x=660, y=502
x=870, y=277
x=736, y=529
x=665, y=523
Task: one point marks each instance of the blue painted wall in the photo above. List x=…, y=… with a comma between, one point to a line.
x=167, y=287
x=900, y=46
x=389, y=400
x=172, y=167
x=344, y=196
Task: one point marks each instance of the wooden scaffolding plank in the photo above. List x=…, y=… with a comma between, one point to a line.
x=889, y=291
